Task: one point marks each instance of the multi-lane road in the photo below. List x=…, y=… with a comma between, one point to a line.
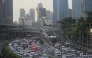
x=48, y=46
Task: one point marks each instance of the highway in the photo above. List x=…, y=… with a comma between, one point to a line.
x=48, y=46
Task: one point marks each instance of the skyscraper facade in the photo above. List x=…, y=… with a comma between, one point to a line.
x=70, y=13
x=40, y=12
x=48, y=13
x=22, y=13
x=60, y=8
x=80, y=6
x=8, y=11
x=27, y=15
x=32, y=15
x=86, y=6
x=77, y=8
x=1, y=12
x=51, y=16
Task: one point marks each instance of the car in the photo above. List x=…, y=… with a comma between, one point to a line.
x=44, y=56
x=75, y=56
x=36, y=55
x=74, y=51
x=63, y=52
x=10, y=44
x=90, y=56
x=52, y=51
x=26, y=55
x=84, y=56
x=57, y=52
x=80, y=53
x=32, y=53
x=67, y=44
x=57, y=45
x=69, y=53
x=69, y=56
x=46, y=51
x=68, y=50
x=63, y=47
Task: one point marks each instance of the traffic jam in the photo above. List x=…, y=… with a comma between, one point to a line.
x=32, y=47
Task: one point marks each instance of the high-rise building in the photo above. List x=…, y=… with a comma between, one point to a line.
x=51, y=16
x=8, y=11
x=1, y=12
x=48, y=13
x=70, y=13
x=25, y=21
x=27, y=15
x=77, y=8
x=60, y=8
x=86, y=6
x=32, y=15
x=15, y=22
x=40, y=5
x=80, y=6
x=22, y=13
x=45, y=21
x=40, y=12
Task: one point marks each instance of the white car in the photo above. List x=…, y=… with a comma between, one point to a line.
x=57, y=45
x=63, y=47
x=68, y=50
x=32, y=53
x=46, y=50
x=57, y=52
x=74, y=51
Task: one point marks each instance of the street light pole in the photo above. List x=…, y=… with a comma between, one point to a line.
x=23, y=26
x=23, y=35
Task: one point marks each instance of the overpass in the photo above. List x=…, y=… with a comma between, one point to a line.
x=13, y=31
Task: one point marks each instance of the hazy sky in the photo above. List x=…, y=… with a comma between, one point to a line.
x=28, y=4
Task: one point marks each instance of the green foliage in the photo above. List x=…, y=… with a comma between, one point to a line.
x=80, y=28
x=8, y=53
x=66, y=23
x=47, y=25
x=89, y=18
x=81, y=24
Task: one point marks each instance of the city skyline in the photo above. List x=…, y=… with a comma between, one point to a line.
x=30, y=4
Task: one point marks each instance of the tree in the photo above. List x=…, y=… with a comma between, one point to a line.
x=66, y=23
x=88, y=25
x=81, y=29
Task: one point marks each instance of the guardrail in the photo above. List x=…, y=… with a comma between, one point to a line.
x=6, y=52
x=47, y=42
